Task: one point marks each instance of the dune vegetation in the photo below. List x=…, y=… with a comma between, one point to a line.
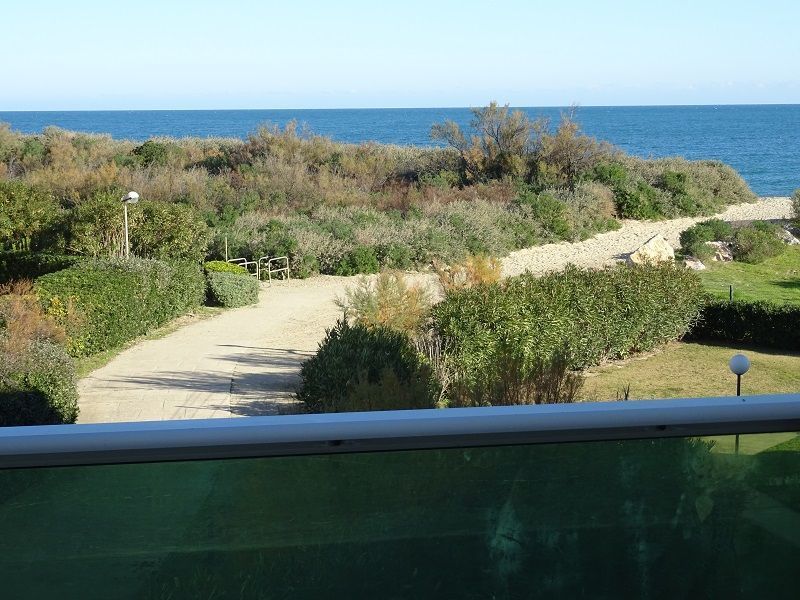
x=506, y=183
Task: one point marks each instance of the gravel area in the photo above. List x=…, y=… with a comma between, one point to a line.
x=607, y=248
x=247, y=361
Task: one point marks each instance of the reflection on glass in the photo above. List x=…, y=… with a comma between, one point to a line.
x=646, y=518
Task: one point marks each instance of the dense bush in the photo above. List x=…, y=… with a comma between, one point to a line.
x=389, y=301
x=38, y=386
x=27, y=217
x=693, y=240
x=220, y=266
x=156, y=230
x=366, y=368
x=759, y=323
x=756, y=243
x=37, y=378
x=118, y=300
x=30, y=265
x=231, y=290
x=586, y=316
x=796, y=205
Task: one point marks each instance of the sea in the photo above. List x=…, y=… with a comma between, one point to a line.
x=761, y=141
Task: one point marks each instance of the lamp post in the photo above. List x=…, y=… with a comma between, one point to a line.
x=129, y=198
x=739, y=365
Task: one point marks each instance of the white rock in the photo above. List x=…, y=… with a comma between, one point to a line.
x=722, y=251
x=654, y=250
x=695, y=264
x=788, y=237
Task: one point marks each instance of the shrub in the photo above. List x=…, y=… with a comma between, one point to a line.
x=693, y=240
x=37, y=386
x=475, y=270
x=30, y=265
x=362, y=259
x=27, y=217
x=549, y=211
x=756, y=243
x=388, y=302
x=765, y=324
x=22, y=318
x=589, y=316
x=118, y=300
x=152, y=153
x=220, y=266
x=231, y=290
x=360, y=368
x=510, y=382
x=796, y=205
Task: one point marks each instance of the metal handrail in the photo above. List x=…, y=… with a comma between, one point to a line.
x=266, y=261
x=156, y=441
x=244, y=263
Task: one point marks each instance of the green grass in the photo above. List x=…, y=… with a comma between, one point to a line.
x=776, y=279
x=683, y=370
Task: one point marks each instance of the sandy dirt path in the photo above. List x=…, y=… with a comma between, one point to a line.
x=247, y=361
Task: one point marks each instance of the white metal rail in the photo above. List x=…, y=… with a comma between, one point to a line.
x=53, y=445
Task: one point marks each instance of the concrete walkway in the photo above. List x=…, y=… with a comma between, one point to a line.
x=247, y=361
x=242, y=362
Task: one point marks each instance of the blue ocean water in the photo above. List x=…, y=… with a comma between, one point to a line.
x=762, y=141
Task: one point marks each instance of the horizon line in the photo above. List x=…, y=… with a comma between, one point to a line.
x=579, y=106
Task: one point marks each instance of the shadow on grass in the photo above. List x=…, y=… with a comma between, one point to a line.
x=741, y=346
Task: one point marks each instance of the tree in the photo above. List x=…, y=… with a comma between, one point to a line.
x=499, y=144
x=566, y=155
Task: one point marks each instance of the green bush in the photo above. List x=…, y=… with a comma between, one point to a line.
x=118, y=300
x=693, y=240
x=756, y=243
x=38, y=388
x=231, y=290
x=29, y=217
x=30, y=265
x=586, y=316
x=362, y=259
x=358, y=368
x=765, y=324
x=796, y=205
x=550, y=212
x=220, y=266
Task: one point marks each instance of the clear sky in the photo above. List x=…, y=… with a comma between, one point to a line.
x=172, y=54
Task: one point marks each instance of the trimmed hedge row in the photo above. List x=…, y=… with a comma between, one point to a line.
x=584, y=316
x=105, y=303
x=41, y=389
x=759, y=323
x=231, y=290
x=30, y=265
x=221, y=266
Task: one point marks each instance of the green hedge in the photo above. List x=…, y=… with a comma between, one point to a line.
x=584, y=316
x=359, y=368
x=220, y=266
x=38, y=388
x=118, y=300
x=231, y=290
x=30, y=265
x=759, y=323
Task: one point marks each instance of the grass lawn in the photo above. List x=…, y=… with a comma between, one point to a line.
x=776, y=279
x=693, y=370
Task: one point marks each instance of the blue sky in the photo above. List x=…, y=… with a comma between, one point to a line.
x=148, y=54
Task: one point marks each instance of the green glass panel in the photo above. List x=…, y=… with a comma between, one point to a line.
x=638, y=519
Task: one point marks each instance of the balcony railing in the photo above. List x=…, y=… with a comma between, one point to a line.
x=658, y=499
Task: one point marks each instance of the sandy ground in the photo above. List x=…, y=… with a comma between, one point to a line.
x=247, y=361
